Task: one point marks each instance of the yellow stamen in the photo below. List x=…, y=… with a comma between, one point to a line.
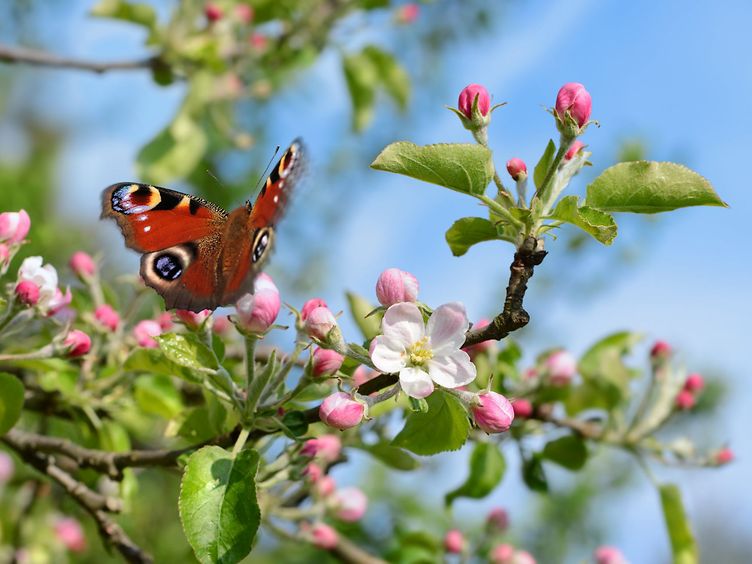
x=420, y=353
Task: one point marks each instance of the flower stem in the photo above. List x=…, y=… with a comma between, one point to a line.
x=280, y=377
x=498, y=209
x=240, y=443
x=564, y=145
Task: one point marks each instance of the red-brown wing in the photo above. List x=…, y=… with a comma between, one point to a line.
x=272, y=199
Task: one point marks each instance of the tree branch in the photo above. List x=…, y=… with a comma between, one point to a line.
x=23, y=55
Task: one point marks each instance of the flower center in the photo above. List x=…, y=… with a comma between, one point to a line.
x=420, y=353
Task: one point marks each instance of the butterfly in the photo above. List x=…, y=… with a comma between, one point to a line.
x=195, y=254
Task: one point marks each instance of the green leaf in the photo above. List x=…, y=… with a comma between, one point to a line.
x=360, y=308
x=393, y=457
x=599, y=224
x=539, y=174
x=568, y=451
x=392, y=75
x=157, y=394
x=533, y=474
x=173, y=153
x=187, y=350
x=683, y=546
x=362, y=79
x=487, y=467
x=444, y=427
x=11, y=401
x=650, y=187
x=154, y=361
x=468, y=231
x=295, y=423
x=134, y=12
x=218, y=507
x=462, y=167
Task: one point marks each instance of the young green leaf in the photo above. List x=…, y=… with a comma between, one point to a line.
x=157, y=394
x=360, y=308
x=444, y=427
x=599, y=224
x=487, y=467
x=392, y=75
x=683, y=544
x=650, y=187
x=539, y=174
x=218, y=507
x=154, y=361
x=603, y=366
x=187, y=350
x=11, y=401
x=362, y=79
x=134, y=12
x=568, y=451
x=469, y=231
x=462, y=167
x=392, y=456
x=533, y=473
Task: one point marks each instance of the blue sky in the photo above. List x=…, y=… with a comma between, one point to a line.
x=675, y=74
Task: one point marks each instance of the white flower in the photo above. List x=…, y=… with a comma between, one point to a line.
x=424, y=355
x=45, y=278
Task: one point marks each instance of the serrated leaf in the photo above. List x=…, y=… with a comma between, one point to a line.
x=369, y=326
x=683, y=545
x=362, y=79
x=469, y=231
x=187, y=350
x=218, y=507
x=487, y=467
x=393, y=76
x=392, y=456
x=544, y=163
x=11, y=401
x=462, y=167
x=157, y=395
x=568, y=451
x=444, y=427
x=599, y=224
x=650, y=187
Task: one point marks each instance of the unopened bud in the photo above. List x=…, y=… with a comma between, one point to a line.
x=494, y=414
x=340, y=411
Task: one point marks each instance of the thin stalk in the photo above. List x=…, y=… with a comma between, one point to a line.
x=240, y=443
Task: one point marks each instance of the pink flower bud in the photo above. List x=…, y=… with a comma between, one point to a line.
x=660, y=350
x=454, y=541
x=685, y=400
x=259, y=41
x=498, y=518
x=77, y=342
x=6, y=467
x=723, y=456
x=191, y=319
x=483, y=346
x=324, y=536
x=212, y=12
x=517, y=169
x=27, y=292
x=82, y=264
x=14, y=226
x=574, y=148
x=244, y=13
x=326, y=447
x=107, y=316
x=319, y=322
x=145, y=331
x=694, y=383
x=395, y=286
x=222, y=325
x=494, y=414
x=351, y=504
x=362, y=375
x=340, y=411
x=326, y=362
x=310, y=305
x=69, y=532
x=4, y=255
x=560, y=367
x=573, y=98
x=522, y=408
x=467, y=97
x=164, y=320
x=408, y=13
x=313, y=472
x=325, y=486
x=502, y=554
x=257, y=312
x=608, y=555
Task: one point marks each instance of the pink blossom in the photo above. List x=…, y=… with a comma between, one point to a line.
x=77, y=342
x=191, y=319
x=694, y=383
x=608, y=555
x=494, y=414
x=522, y=408
x=27, y=292
x=14, y=226
x=574, y=148
x=467, y=98
x=212, y=12
x=325, y=447
x=362, y=375
x=498, y=518
x=82, y=264
x=724, y=456
x=326, y=362
x=517, y=169
x=351, y=504
x=502, y=554
x=319, y=322
x=244, y=13
x=685, y=400
x=59, y=301
x=145, y=331
x=45, y=278
x=313, y=472
x=561, y=367
x=660, y=350
x=454, y=541
x=395, y=286
x=310, y=305
x=107, y=317
x=408, y=13
x=69, y=532
x=258, y=311
x=573, y=98
x=340, y=411
x=324, y=536
x=7, y=467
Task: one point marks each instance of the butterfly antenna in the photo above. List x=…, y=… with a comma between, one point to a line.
x=214, y=176
x=266, y=169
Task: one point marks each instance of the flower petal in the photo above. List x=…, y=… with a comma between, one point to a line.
x=403, y=322
x=447, y=327
x=388, y=355
x=415, y=382
x=452, y=371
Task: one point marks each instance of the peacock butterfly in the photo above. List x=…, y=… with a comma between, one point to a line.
x=195, y=254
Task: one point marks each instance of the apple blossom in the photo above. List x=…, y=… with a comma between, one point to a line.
x=82, y=264
x=574, y=148
x=7, y=467
x=326, y=447
x=395, y=286
x=258, y=311
x=77, y=342
x=694, y=383
x=424, y=354
x=340, y=411
x=516, y=168
x=498, y=519
x=145, y=331
x=324, y=536
x=191, y=319
x=14, y=226
x=560, y=367
x=309, y=306
x=60, y=302
x=608, y=555
x=685, y=400
x=351, y=504
x=522, y=408
x=319, y=322
x=107, y=317
x=574, y=100
x=27, y=292
x=494, y=414
x=467, y=99
x=44, y=277
x=454, y=541
x=69, y=532
x=326, y=362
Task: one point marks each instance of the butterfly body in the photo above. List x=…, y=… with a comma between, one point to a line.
x=195, y=254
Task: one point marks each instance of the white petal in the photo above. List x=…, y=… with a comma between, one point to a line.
x=415, y=382
x=447, y=327
x=403, y=322
x=388, y=354
x=452, y=371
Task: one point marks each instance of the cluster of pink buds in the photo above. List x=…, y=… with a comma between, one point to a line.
x=687, y=396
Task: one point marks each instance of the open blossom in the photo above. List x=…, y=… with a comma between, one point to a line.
x=351, y=504
x=258, y=311
x=69, y=532
x=44, y=277
x=424, y=354
x=77, y=342
x=326, y=447
x=59, y=302
x=454, y=541
x=326, y=362
x=395, y=286
x=107, y=317
x=14, y=226
x=494, y=414
x=467, y=98
x=145, y=331
x=341, y=411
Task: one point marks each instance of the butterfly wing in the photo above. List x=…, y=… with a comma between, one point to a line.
x=180, y=237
